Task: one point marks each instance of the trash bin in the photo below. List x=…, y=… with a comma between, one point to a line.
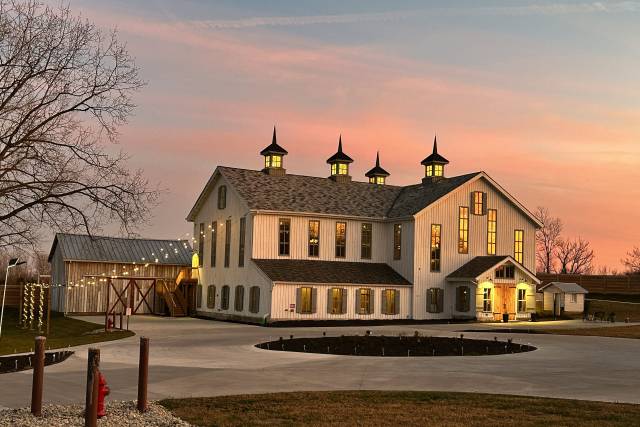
x=505, y=318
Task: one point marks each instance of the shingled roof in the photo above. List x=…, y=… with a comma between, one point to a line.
x=305, y=271
x=477, y=266
x=82, y=247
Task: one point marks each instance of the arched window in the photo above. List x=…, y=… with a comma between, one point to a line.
x=211, y=296
x=222, y=197
x=224, y=298
x=238, y=302
x=254, y=299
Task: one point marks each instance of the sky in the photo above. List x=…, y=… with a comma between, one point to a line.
x=544, y=96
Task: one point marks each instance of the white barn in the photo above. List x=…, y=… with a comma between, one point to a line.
x=561, y=297
x=275, y=246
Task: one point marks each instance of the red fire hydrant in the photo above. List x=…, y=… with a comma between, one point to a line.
x=103, y=390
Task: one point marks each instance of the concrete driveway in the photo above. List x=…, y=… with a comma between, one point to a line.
x=193, y=357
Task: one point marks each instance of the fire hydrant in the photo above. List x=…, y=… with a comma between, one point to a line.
x=103, y=390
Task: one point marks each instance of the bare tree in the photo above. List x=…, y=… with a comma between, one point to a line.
x=65, y=88
x=575, y=256
x=607, y=271
x=547, y=239
x=632, y=261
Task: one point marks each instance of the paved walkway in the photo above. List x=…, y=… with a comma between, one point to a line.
x=193, y=357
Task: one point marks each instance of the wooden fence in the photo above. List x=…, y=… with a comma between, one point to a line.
x=597, y=284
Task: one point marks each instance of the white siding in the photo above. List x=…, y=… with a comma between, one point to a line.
x=445, y=213
x=284, y=297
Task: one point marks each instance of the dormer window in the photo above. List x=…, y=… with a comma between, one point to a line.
x=273, y=161
x=380, y=180
x=434, y=170
x=339, y=169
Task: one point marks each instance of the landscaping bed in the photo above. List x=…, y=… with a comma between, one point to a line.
x=22, y=362
x=396, y=346
x=398, y=408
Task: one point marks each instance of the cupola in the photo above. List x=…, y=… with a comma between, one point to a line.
x=377, y=175
x=340, y=164
x=434, y=165
x=273, y=155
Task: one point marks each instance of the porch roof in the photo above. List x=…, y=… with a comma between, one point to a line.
x=479, y=265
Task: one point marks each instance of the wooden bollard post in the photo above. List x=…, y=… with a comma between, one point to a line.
x=91, y=410
x=38, y=377
x=143, y=374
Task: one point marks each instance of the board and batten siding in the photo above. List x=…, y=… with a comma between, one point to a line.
x=445, y=213
x=232, y=276
x=284, y=301
x=266, y=234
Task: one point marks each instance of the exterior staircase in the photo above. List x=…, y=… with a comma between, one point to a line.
x=173, y=293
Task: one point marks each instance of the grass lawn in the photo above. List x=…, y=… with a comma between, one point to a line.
x=64, y=332
x=391, y=408
x=612, y=331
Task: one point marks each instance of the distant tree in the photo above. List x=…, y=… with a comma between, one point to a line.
x=607, y=271
x=65, y=89
x=575, y=256
x=632, y=261
x=547, y=239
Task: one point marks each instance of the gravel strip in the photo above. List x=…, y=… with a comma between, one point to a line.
x=118, y=414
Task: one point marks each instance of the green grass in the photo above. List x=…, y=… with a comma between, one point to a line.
x=392, y=408
x=65, y=332
x=610, y=331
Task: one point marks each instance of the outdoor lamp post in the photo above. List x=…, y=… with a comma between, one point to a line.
x=13, y=262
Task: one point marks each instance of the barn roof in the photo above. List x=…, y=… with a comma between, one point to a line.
x=82, y=247
x=305, y=271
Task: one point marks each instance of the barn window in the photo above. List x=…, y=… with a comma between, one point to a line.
x=199, y=296
x=227, y=242
x=463, y=230
x=238, y=302
x=573, y=298
x=305, y=303
x=211, y=296
x=397, y=241
x=435, y=300
x=390, y=301
x=201, y=245
x=518, y=245
x=224, y=298
x=365, y=301
x=486, y=300
x=365, y=240
x=222, y=197
x=522, y=300
x=284, y=236
x=214, y=241
x=341, y=239
x=506, y=272
x=254, y=299
x=314, y=238
x=462, y=299
x=478, y=202
x=435, y=247
x=492, y=227
x=336, y=301
x=243, y=228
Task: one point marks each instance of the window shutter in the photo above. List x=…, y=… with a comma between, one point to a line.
x=344, y=300
x=440, y=294
x=384, y=301
x=484, y=203
x=429, y=300
x=397, y=302
x=314, y=300
x=372, y=306
x=467, y=298
x=472, y=204
x=358, y=297
x=298, y=299
x=329, y=300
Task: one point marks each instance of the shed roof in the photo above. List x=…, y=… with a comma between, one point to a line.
x=82, y=247
x=305, y=271
x=567, y=288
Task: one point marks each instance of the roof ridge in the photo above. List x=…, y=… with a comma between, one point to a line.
x=95, y=236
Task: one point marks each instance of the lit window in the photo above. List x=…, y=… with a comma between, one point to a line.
x=306, y=300
x=522, y=300
x=284, y=236
x=435, y=247
x=314, y=238
x=390, y=301
x=437, y=170
x=365, y=240
x=463, y=227
x=343, y=169
x=492, y=226
x=272, y=161
x=336, y=300
x=341, y=239
x=486, y=300
x=429, y=170
x=506, y=272
x=518, y=245
x=365, y=301
x=397, y=241
x=478, y=199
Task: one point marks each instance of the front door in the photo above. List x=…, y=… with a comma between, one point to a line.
x=505, y=301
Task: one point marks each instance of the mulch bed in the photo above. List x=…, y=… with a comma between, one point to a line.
x=398, y=346
x=24, y=361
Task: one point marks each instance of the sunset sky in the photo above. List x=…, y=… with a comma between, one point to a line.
x=543, y=96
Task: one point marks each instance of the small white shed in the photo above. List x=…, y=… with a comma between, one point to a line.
x=561, y=297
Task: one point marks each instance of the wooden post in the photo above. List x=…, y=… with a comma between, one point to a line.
x=91, y=411
x=106, y=313
x=143, y=374
x=38, y=377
